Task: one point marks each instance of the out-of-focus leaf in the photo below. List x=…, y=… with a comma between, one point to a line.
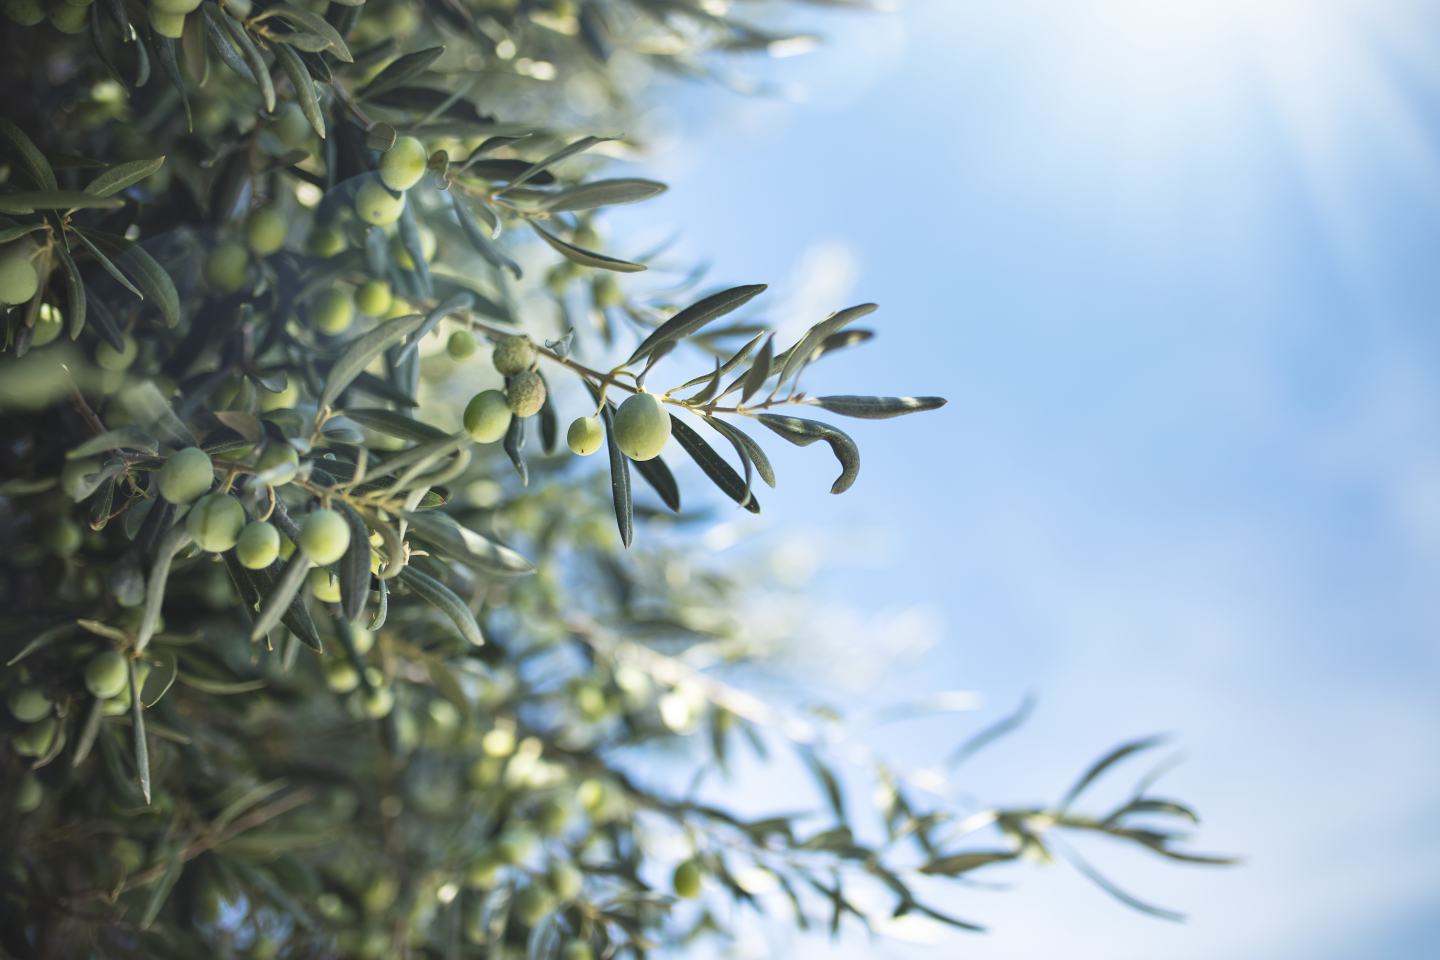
x=1108, y=761
x=586, y=258
x=27, y=156
x=362, y=350
x=447, y=536
x=401, y=71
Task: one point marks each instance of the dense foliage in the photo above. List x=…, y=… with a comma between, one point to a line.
x=316, y=639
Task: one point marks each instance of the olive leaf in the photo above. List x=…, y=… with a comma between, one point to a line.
x=661, y=480
x=444, y=599
x=30, y=159
x=587, y=258
x=724, y=476
x=602, y=193
x=802, y=433
x=304, y=86
x=362, y=350
x=619, y=479
x=877, y=408
x=28, y=201
x=123, y=175
x=695, y=316
x=354, y=565
x=454, y=541
x=401, y=71
x=482, y=244
x=579, y=146
x=311, y=22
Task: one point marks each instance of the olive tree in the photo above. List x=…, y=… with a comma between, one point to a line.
x=320, y=634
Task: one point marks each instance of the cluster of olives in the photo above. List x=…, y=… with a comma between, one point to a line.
x=227, y=267
x=381, y=198
x=67, y=16
x=488, y=414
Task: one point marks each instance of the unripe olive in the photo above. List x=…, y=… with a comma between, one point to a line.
x=498, y=742
x=376, y=205
x=461, y=345
x=332, y=311
x=105, y=674
x=590, y=701
x=280, y=400
x=606, y=290
x=49, y=324
x=26, y=13
x=379, y=702
x=109, y=358
x=226, y=266
x=265, y=230
x=585, y=435
x=374, y=298
x=258, y=545
x=515, y=845
x=187, y=474
x=174, y=6
x=532, y=904
x=63, y=537
x=380, y=894
x=215, y=522
x=428, y=246
x=402, y=166
x=291, y=128
x=27, y=704
x=686, y=880
x=588, y=237
x=642, y=427
x=513, y=354
x=564, y=881
x=577, y=950
x=170, y=25
x=29, y=794
x=279, y=463
x=36, y=739
x=69, y=19
x=324, y=585
x=341, y=676
x=525, y=392
x=72, y=478
x=326, y=241
x=324, y=537
x=487, y=416
x=481, y=874
x=551, y=817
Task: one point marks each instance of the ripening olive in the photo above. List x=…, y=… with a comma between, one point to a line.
x=513, y=354
x=258, y=545
x=105, y=674
x=376, y=205
x=27, y=704
x=332, y=311
x=265, y=231
x=402, y=166
x=324, y=585
x=374, y=298
x=525, y=391
x=215, y=522
x=461, y=345
x=278, y=463
x=487, y=416
x=226, y=266
x=185, y=475
x=585, y=435
x=686, y=880
x=324, y=536
x=642, y=427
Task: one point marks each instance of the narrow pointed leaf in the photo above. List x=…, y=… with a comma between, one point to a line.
x=123, y=175
x=802, y=433
x=878, y=408
x=602, y=193
x=362, y=350
x=661, y=480
x=444, y=599
x=619, y=480
x=400, y=71
x=696, y=315
x=587, y=258
x=721, y=473
x=584, y=143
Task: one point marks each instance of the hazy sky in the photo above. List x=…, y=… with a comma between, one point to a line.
x=1172, y=264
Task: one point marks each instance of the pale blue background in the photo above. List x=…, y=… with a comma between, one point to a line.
x=1174, y=264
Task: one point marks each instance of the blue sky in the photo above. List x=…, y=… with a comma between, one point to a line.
x=1172, y=263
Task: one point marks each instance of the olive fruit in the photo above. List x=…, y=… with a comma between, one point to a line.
x=63, y=537
x=265, y=231
x=291, y=127
x=531, y=905
x=68, y=18
x=28, y=704
x=225, y=266
x=376, y=205
x=28, y=794
x=642, y=427
x=325, y=241
x=341, y=676
x=515, y=845
x=185, y=475
x=481, y=873
x=525, y=392
x=487, y=416
x=105, y=674
x=36, y=739
x=577, y=950
x=606, y=290
x=324, y=537
x=108, y=358
x=324, y=585
x=585, y=435
x=49, y=324
x=402, y=166
x=551, y=817
x=374, y=298
x=278, y=463
x=461, y=345
x=215, y=522
x=380, y=894
x=686, y=880
x=332, y=311
x=284, y=399
x=565, y=881
x=378, y=703
x=513, y=354
x=258, y=545
x=26, y=13
x=174, y=6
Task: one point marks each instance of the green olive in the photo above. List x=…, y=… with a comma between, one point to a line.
x=585, y=435
x=341, y=676
x=590, y=701
x=279, y=464
x=513, y=354
x=29, y=794
x=258, y=545
x=26, y=13
x=402, y=166
x=577, y=950
x=170, y=25
x=376, y=205
x=461, y=345
x=606, y=291
x=551, y=817
x=565, y=881
x=324, y=537
x=185, y=475
x=482, y=873
x=226, y=267
x=487, y=416
x=686, y=880
x=27, y=704
x=642, y=427
x=215, y=522
x=49, y=324
x=63, y=537
x=380, y=895
x=106, y=675
x=332, y=311
x=36, y=739
x=174, y=6
x=291, y=128
x=374, y=298
x=532, y=904
x=281, y=400
x=324, y=585
x=378, y=702
x=108, y=358
x=326, y=241
x=515, y=845
x=265, y=230
x=525, y=392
